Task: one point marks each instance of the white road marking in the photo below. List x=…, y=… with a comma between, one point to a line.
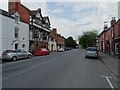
x=107, y=78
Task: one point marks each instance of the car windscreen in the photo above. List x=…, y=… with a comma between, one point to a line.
x=91, y=49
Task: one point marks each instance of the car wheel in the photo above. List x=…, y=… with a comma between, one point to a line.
x=29, y=56
x=14, y=58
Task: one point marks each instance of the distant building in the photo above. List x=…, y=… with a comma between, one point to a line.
x=15, y=32
x=60, y=41
x=52, y=46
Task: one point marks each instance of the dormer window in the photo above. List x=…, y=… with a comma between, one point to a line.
x=16, y=18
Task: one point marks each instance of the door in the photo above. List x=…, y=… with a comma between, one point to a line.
x=24, y=54
x=16, y=46
x=18, y=54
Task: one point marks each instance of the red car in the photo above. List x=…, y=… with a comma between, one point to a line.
x=42, y=51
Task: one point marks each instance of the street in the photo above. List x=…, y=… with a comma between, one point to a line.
x=69, y=69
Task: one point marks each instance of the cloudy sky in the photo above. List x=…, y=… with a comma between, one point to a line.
x=71, y=18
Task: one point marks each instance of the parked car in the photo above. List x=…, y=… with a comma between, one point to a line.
x=67, y=48
x=15, y=54
x=91, y=52
x=61, y=50
x=42, y=51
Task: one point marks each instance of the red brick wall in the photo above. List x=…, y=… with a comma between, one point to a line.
x=116, y=30
x=61, y=40
x=17, y=7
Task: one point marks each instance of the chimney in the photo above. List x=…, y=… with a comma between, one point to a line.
x=54, y=30
x=105, y=26
x=113, y=21
x=13, y=5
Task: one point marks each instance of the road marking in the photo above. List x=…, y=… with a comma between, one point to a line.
x=107, y=78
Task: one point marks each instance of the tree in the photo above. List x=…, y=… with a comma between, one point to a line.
x=69, y=42
x=88, y=39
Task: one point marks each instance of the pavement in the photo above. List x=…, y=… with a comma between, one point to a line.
x=69, y=69
x=111, y=61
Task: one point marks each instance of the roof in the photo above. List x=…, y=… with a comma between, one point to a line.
x=59, y=35
x=25, y=8
x=7, y=14
x=34, y=12
x=45, y=18
x=109, y=27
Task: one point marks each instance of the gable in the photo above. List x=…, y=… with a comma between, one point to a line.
x=39, y=16
x=46, y=21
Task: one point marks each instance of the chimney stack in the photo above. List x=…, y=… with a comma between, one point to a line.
x=113, y=21
x=105, y=26
x=13, y=5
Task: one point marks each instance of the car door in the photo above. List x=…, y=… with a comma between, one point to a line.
x=24, y=54
x=18, y=54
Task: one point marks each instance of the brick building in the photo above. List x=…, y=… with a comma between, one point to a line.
x=60, y=41
x=109, y=38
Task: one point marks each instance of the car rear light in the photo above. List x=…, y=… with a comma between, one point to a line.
x=4, y=54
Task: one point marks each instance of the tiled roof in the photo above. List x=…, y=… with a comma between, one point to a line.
x=25, y=8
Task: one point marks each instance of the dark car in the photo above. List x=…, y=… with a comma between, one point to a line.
x=91, y=52
x=67, y=48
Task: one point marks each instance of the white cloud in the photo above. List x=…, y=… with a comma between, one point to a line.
x=104, y=12
x=55, y=11
x=85, y=22
x=35, y=5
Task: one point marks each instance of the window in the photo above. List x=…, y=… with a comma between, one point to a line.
x=116, y=48
x=112, y=33
x=16, y=18
x=16, y=32
x=23, y=51
x=23, y=46
x=16, y=46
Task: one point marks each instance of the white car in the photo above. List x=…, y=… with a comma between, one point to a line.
x=61, y=50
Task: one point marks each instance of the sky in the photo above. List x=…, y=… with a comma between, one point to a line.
x=73, y=17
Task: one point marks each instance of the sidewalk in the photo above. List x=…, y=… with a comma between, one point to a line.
x=112, y=61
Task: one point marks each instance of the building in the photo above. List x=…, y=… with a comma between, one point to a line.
x=39, y=26
x=39, y=30
x=15, y=32
x=101, y=38
x=52, y=46
x=109, y=38
x=60, y=41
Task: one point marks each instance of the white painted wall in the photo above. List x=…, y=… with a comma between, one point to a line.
x=7, y=37
x=50, y=45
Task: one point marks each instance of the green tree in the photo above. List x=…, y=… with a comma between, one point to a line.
x=69, y=42
x=88, y=39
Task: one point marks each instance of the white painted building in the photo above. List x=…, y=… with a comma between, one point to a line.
x=15, y=33
x=52, y=45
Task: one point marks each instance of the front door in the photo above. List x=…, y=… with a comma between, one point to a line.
x=16, y=46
